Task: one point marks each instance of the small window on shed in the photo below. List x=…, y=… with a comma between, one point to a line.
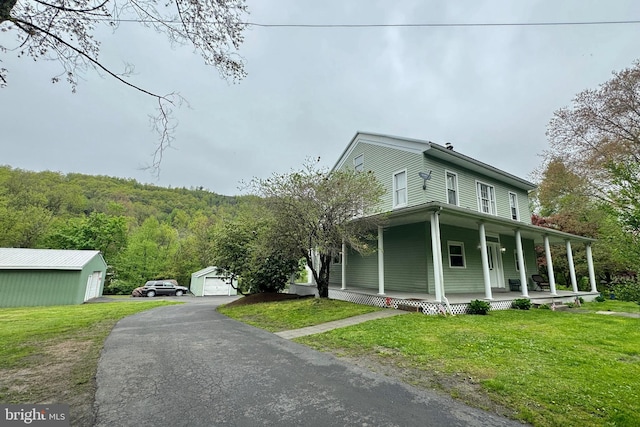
x=358, y=163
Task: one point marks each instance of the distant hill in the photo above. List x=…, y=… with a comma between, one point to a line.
x=77, y=211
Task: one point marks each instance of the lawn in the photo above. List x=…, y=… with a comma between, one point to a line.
x=612, y=305
x=545, y=368
x=50, y=354
x=281, y=316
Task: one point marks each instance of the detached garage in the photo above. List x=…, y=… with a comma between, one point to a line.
x=31, y=277
x=209, y=282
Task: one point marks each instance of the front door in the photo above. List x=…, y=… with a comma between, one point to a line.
x=496, y=273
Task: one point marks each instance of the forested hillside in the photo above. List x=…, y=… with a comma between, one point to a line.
x=144, y=231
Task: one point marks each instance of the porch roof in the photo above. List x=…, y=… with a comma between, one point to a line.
x=467, y=218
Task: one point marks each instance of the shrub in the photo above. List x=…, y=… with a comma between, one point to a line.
x=626, y=289
x=600, y=298
x=544, y=307
x=478, y=307
x=521, y=304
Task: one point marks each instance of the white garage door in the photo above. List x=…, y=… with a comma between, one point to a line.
x=215, y=286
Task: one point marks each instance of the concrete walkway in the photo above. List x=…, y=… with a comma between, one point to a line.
x=616, y=313
x=324, y=327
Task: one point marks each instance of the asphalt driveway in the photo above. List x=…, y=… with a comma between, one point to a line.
x=188, y=365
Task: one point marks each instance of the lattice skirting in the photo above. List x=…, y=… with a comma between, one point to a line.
x=431, y=308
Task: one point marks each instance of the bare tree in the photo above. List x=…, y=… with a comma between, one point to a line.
x=316, y=211
x=600, y=129
x=64, y=30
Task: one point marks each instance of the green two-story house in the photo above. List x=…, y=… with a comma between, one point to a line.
x=454, y=225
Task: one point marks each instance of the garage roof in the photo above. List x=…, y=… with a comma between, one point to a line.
x=44, y=259
x=204, y=271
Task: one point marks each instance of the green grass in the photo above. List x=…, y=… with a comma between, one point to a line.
x=612, y=305
x=548, y=368
x=285, y=315
x=50, y=354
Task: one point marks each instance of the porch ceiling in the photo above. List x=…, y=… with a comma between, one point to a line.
x=466, y=218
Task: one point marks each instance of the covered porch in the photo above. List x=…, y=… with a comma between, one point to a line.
x=457, y=303
x=489, y=239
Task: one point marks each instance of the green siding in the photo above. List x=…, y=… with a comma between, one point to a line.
x=362, y=270
x=384, y=162
x=197, y=285
x=469, y=278
x=405, y=258
x=41, y=287
x=467, y=195
x=96, y=264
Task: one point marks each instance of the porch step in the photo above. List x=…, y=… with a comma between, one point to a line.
x=558, y=305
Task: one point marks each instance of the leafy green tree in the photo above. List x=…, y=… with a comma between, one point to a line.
x=148, y=255
x=244, y=248
x=98, y=231
x=316, y=210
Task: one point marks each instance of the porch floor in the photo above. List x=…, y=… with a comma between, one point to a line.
x=539, y=297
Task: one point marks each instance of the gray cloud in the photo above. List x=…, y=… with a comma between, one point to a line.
x=490, y=91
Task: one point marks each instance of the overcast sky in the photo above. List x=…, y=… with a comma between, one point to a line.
x=490, y=91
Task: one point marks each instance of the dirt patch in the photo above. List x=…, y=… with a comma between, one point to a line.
x=265, y=297
x=58, y=373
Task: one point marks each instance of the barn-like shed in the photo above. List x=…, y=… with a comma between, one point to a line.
x=209, y=281
x=34, y=277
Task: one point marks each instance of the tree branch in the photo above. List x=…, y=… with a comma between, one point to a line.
x=72, y=10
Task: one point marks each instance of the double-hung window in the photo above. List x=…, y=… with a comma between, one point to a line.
x=456, y=255
x=452, y=188
x=400, y=189
x=513, y=206
x=358, y=163
x=486, y=198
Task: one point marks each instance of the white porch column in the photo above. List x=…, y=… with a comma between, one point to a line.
x=380, y=261
x=592, y=273
x=440, y=269
x=435, y=254
x=523, y=273
x=552, y=278
x=485, y=262
x=572, y=268
x=344, y=265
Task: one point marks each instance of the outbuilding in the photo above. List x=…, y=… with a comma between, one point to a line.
x=36, y=277
x=209, y=281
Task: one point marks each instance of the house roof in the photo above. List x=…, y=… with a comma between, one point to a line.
x=204, y=271
x=433, y=150
x=45, y=259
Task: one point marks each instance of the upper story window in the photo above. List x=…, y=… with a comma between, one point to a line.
x=400, y=189
x=358, y=163
x=486, y=198
x=452, y=188
x=513, y=206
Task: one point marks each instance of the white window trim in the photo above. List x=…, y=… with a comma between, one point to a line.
x=464, y=256
x=406, y=188
x=494, y=206
x=446, y=185
x=355, y=164
x=517, y=218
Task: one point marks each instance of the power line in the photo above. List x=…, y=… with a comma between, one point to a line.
x=416, y=25
x=455, y=24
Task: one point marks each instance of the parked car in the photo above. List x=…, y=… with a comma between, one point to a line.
x=159, y=287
